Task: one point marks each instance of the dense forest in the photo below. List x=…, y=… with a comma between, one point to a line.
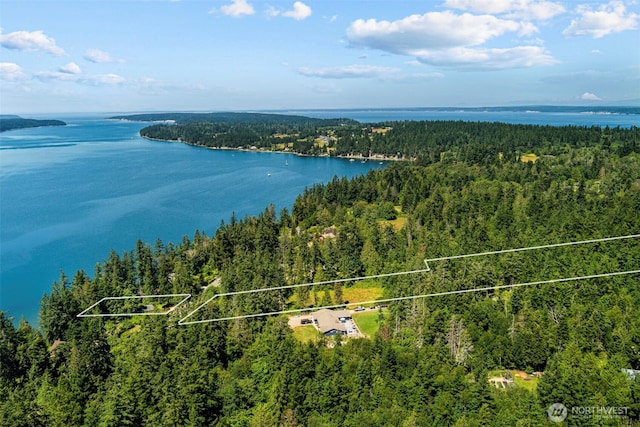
x=499, y=357
x=11, y=122
x=234, y=118
x=425, y=141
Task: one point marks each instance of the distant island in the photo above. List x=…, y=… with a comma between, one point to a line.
x=234, y=117
x=13, y=122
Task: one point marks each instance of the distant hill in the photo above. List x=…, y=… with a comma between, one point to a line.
x=12, y=122
x=229, y=117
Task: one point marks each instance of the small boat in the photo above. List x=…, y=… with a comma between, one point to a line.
x=352, y=160
x=286, y=163
x=268, y=174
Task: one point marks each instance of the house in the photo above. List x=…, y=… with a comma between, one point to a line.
x=329, y=322
x=631, y=374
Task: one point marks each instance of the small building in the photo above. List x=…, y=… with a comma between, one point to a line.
x=329, y=322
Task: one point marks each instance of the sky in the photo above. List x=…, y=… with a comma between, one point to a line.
x=209, y=55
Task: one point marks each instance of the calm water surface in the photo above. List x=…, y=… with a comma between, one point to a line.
x=70, y=194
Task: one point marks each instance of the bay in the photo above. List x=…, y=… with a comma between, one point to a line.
x=68, y=195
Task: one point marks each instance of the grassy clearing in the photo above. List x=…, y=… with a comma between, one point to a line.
x=352, y=295
x=530, y=157
x=529, y=384
x=319, y=142
x=367, y=321
x=307, y=333
x=397, y=223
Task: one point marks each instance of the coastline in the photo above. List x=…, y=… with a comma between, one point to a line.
x=374, y=157
x=2, y=129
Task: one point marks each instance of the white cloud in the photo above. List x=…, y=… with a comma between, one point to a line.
x=487, y=59
x=527, y=29
x=433, y=30
x=86, y=79
x=450, y=40
x=99, y=56
x=300, y=11
x=272, y=12
x=70, y=68
x=347, y=72
x=523, y=9
x=55, y=75
x=608, y=18
x=11, y=72
x=238, y=8
x=103, y=79
x=588, y=96
x=31, y=41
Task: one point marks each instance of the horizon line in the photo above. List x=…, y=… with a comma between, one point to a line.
x=586, y=107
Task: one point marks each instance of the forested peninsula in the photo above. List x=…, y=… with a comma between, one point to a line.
x=12, y=122
x=525, y=339
x=424, y=141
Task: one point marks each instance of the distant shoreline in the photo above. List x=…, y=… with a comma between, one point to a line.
x=374, y=157
x=9, y=123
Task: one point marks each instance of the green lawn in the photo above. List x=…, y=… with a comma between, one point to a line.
x=531, y=384
x=367, y=321
x=360, y=291
x=306, y=333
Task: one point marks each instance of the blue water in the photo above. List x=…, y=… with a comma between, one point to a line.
x=531, y=116
x=70, y=194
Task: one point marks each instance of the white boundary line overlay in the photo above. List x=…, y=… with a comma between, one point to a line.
x=531, y=248
x=436, y=294
x=184, y=299
x=428, y=269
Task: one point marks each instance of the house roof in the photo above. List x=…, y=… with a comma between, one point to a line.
x=328, y=321
x=343, y=313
